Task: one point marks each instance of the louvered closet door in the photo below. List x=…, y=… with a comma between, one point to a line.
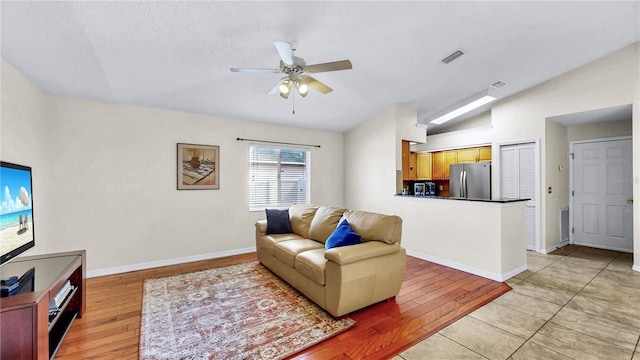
x=517, y=181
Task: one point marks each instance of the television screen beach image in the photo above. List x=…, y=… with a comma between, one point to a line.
x=16, y=211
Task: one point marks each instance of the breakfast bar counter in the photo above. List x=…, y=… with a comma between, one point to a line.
x=498, y=201
x=482, y=237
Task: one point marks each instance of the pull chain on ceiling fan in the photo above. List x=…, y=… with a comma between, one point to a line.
x=296, y=70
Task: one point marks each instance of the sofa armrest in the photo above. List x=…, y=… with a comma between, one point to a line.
x=261, y=227
x=349, y=254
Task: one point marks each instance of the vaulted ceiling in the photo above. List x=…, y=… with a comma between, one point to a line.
x=177, y=54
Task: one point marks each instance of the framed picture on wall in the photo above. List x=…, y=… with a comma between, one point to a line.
x=198, y=167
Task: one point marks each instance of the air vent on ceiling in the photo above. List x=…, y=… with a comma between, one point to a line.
x=498, y=84
x=452, y=57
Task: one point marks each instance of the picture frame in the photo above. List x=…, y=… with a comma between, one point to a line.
x=198, y=167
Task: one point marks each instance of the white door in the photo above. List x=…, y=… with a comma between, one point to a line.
x=518, y=181
x=602, y=194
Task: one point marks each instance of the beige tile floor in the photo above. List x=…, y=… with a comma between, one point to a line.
x=575, y=303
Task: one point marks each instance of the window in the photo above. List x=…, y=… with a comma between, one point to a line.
x=278, y=177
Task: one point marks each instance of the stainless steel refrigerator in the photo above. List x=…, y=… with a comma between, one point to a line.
x=471, y=180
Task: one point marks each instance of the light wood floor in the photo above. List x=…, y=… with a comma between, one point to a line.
x=432, y=297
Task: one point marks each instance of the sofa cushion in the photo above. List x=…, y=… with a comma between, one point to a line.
x=278, y=221
x=268, y=242
x=372, y=226
x=287, y=251
x=312, y=264
x=301, y=216
x=324, y=222
x=343, y=235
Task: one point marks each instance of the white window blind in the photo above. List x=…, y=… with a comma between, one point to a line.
x=278, y=177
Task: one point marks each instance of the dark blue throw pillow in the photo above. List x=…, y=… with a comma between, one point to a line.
x=278, y=221
x=343, y=235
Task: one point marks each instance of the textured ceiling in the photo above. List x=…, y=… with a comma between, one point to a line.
x=177, y=55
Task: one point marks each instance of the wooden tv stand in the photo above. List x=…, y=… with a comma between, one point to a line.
x=28, y=332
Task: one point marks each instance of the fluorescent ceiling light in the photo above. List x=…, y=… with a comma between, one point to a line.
x=471, y=104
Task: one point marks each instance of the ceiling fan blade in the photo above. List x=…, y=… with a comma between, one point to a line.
x=330, y=66
x=285, y=51
x=313, y=83
x=255, y=70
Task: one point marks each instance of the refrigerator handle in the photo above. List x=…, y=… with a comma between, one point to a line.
x=464, y=181
x=461, y=183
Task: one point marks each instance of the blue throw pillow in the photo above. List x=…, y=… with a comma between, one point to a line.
x=343, y=235
x=278, y=221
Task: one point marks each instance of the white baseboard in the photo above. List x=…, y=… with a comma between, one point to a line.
x=166, y=262
x=554, y=247
x=466, y=268
x=513, y=273
x=636, y=268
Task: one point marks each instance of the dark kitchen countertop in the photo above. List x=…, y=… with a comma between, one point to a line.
x=500, y=201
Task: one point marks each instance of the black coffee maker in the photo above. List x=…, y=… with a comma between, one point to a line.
x=430, y=189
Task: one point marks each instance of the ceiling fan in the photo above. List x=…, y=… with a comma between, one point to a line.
x=296, y=70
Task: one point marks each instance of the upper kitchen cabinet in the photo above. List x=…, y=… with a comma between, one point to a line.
x=413, y=166
x=424, y=166
x=437, y=159
x=485, y=153
x=450, y=157
x=475, y=154
x=441, y=161
x=406, y=150
x=435, y=165
x=468, y=155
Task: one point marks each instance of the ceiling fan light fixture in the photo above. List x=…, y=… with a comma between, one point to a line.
x=285, y=87
x=302, y=88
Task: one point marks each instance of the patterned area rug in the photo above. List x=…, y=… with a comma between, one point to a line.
x=235, y=312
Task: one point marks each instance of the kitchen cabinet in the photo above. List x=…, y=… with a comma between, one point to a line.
x=413, y=166
x=441, y=161
x=468, y=155
x=450, y=157
x=475, y=154
x=437, y=159
x=424, y=166
x=405, y=159
x=484, y=153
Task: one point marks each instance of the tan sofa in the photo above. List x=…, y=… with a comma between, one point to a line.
x=341, y=279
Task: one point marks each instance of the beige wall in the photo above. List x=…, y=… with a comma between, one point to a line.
x=23, y=129
x=105, y=177
x=557, y=178
x=370, y=161
x=599, y=130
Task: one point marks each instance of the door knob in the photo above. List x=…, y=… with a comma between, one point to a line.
x=630, y=201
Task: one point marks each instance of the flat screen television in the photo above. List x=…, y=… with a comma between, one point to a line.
x=16, y=211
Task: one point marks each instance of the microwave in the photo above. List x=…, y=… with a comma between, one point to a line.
x=419, y=189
